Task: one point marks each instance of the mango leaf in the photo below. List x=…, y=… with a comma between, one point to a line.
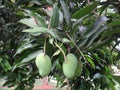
x=65, y=40
x=108, y=32
x=66, y=11
x=114, y=23
x=29, y=22
x=27, y=59
x=96, y=26
x=39, y=30
x=90, y=60
x=57, y=52
x=88, y=9
x=100, y=44
x=116, y=78
x=24, y=47
x=51, y=40
x=55, y=17
x=95, y=35
x=5, y=65
x=38, y=19
x=93, y=32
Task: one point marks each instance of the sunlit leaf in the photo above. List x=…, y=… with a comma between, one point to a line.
x=39, y=30
x=90, y=60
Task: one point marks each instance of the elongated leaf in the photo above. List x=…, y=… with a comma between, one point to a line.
x=66, y=11
x=90, y=60
x=96, y=26
x=24, y=47
x=27, y=59
x=108, y=32
x=114, y=23
x=38, y=19
x=65, y=40
x=31, y=56
x=29, y=22
x=5, y=65
x=39, y=30
x=94, y=36
x=55, y=17
x=57, y=52
x=88, y=9
x=100, y=43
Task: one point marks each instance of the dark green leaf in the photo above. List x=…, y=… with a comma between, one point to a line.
x=114, y=23
x=55, y=17
x=66, y=11
x=88, y=9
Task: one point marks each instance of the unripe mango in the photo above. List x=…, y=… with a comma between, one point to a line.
x=70, y=65
x=43, y=62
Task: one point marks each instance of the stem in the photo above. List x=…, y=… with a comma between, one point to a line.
x=61, y=51
x=45, y=46
x=77, y=48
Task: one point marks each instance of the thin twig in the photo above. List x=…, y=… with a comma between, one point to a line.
x=77, y=48
x=45, y=46
x=61, y=51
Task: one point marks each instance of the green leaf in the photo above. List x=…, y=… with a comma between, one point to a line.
x=31, y=56
x=94, y=36
x=108, y=32
x=65, y=40
x=100, y=44
x=38, y=19
x=90, y=60
x=57, y=52
x=24, y=47
x=66, y=11
x=6, y=65
x=114, y=23
x=95, y=26
x=39, y=30
x=55, y=17
x=84, y=11
x=29, y=22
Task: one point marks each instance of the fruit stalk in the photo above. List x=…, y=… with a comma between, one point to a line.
x=61, y=51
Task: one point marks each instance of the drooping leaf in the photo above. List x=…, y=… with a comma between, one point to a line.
x=39, y=30
x=66, y=11
x=55, y=17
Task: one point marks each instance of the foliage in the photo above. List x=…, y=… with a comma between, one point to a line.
x=57, y=27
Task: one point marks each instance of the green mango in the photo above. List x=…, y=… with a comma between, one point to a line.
x=43, y=63
x=70, y=65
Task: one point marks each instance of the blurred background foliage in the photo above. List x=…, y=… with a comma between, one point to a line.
x=88, y=28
